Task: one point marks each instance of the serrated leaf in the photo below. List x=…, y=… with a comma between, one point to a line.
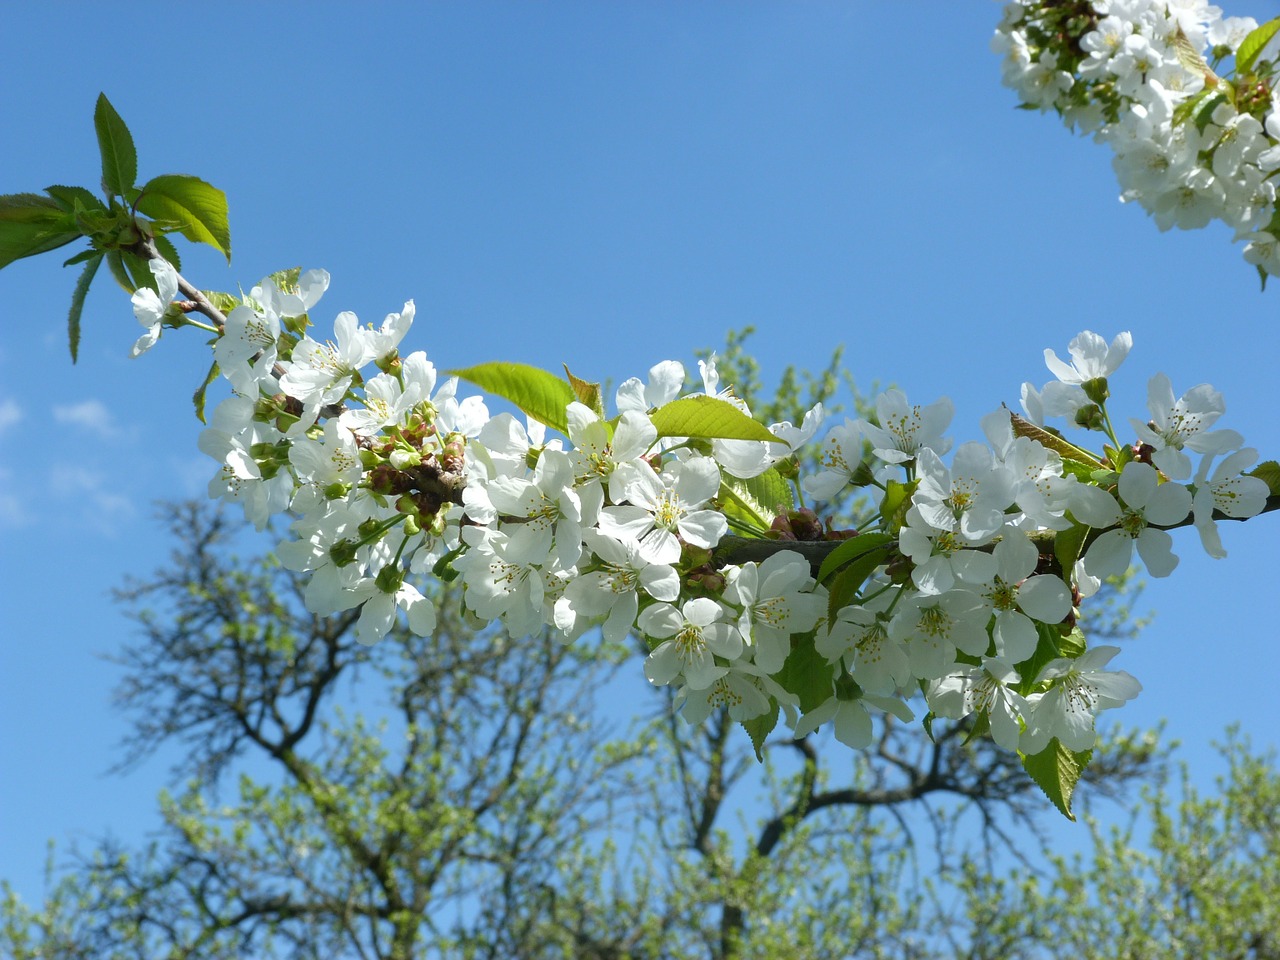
x=119, y=158
x=196, y=209
x=1189, y=106
x=1056, y=771
x=225, y=302
x=1023, y=427
x=587, y=392
x=844, y=587
x=851, y=549
x=1048, y=648
x=759, y=728
x=31, y=224
x=1205, y=115
x=1269, y=473
x=807, y=674
x=894, y=504
x=538, y=393
x=1190, y=57
x=1253, y=44
x=115, y=263
x=760, y=497
x=77, y=304
x=1066, y=547
x=167, y=250
x=197, y=398
x=708, y=418
x=82, y=257
x=67, y=197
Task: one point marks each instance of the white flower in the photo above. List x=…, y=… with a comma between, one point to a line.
x=851, y=719
x=665, y=505
x=905, y=430
x=841, y=456
x=1080, y=690
x=322, y=372
x=1228, y=491
x=1144, y=501
x=1018, y=598
x=697, y=635
x=1091, y=358
x=149, y=306
x=666, y=379
x=775, y=604
x=985, y=689
x=1183, y=423
x=612, y=591
x=934, y=627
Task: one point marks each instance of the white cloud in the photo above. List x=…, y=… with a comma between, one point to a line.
x=92, y=415
x=10, y=413
x=104, y=510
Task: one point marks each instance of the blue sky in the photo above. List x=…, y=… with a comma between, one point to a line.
x=604, y=185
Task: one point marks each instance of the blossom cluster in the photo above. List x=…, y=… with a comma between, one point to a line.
x=954, y=585
x=1192, y=143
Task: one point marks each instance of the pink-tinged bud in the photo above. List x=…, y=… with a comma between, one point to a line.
x=798, y=525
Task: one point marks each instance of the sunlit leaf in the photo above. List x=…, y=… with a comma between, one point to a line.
x=538, y=393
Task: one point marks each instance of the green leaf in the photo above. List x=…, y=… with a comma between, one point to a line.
x=587, y=392
x=851, y=549
x=843, y=589
x=197, y=398
x=1066, y=547
x=896, y=501
x=1205, y=115
x=115, y=263
x=195, y=209
x=1189, y=106
x=1269, y=473
x=759, y=728
x=708, y=418
x=759, y=498
x=1047, y=639
x=119, y=158
x=1252, y=45
x=541, y=395
x=77, y=304
x=82, y=257
x=1056, y=771
x=67, y=197
x=807, y=674
x=1061, y=446
x=32, y=224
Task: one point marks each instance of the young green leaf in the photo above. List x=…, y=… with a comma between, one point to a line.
x=587, y=392
x=807, y=674
x=168, y=251
x=843, y=589
x=77, y=303
x=708, y=418
x=68, y=197
x=851, y=549
x=195, y=209
x=1056, y=771
x=759, y=499
x=119, y=158
x=1269, y=473
x=32, y=224
x=759, y=728
x=1067, y=545
x=1023, y=427
x=1253, y=44
x=197, y=398
x=540, y=394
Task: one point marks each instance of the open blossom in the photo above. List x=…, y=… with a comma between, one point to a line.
x=1227, y=491
x=986, y=689
x=775, y=605
x=1143, y=501
x=149, y=306
x=1080, y=690
x=1185, y=422
x=905, y=429
x=1091, y=358
x=660, y=507
x=697, y=635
